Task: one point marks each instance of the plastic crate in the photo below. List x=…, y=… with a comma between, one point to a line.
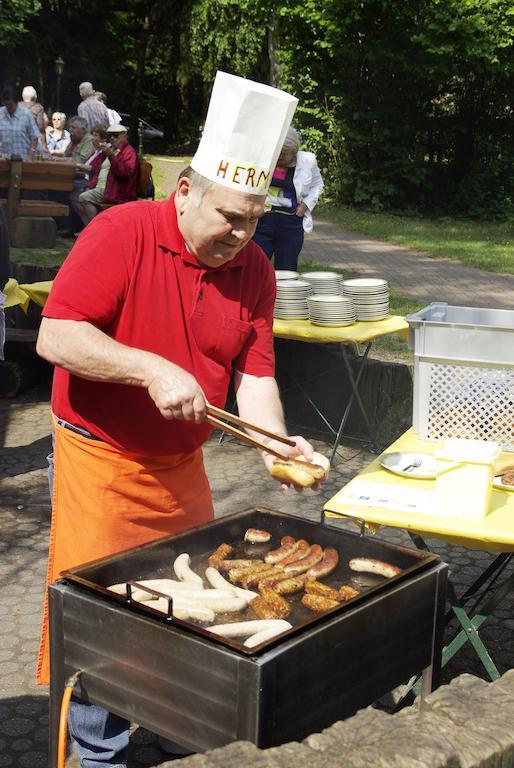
x=463, y=373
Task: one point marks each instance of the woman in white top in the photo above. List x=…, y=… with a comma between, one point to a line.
x=294, y=191
x=57, y=138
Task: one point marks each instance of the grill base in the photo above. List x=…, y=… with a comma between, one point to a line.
x=203, y=695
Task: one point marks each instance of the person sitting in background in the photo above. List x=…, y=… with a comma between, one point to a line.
x=29, y=101
x=97, y=168
x=121, y=186
x=114, y=117
x=19, y=134
x=80, y=147
x=294, y=191
x=93, y=111
x=57, y=138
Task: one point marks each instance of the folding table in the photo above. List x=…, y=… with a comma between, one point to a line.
x=493, y=533
x=357, y=333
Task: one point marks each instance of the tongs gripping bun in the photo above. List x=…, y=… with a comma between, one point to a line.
x=292, y=471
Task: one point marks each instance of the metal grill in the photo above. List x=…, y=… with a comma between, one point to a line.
x=471, y=402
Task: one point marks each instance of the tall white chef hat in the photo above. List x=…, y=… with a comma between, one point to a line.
x=244, y=131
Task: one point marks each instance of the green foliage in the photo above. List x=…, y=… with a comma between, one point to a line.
x=13, y=17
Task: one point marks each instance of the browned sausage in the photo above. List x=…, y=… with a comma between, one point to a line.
x=252, y=580
x=225, y=565
x=300, y=566
x=223, y=551
x=291, y=585
x=302, y=550
x=261, y=608
x=327, y=564
x=367, y=565
x=237, y=574
x=317, y=603
x=317, y=588
x=254, y=536
x=347, y=592
x=275, y=578
x=278, y=603
x=287, y=546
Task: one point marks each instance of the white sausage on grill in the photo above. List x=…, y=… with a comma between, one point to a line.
x=182, y=569
x=247, y=628
x=265, y=634
x=218, y=581
x=367, y=565
x=184, y=611
x=167, y=586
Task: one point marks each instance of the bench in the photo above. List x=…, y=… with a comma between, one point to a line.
x=32, y=222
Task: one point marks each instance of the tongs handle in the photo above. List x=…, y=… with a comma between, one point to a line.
x=220, y=414
x=244, y=437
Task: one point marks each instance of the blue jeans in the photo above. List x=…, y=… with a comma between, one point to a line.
x=280, y=236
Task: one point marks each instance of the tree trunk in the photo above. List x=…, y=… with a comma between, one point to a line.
x=273, y=48
x=140, y=73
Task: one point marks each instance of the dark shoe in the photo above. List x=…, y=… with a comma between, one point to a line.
x=172, y=748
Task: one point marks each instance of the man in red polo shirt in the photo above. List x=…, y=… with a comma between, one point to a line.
x=121, y=185
x=157, y=306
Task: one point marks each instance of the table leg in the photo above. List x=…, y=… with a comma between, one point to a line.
x=354, y=382
x=426, y=686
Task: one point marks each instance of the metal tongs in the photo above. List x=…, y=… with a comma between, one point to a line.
x=214, y=416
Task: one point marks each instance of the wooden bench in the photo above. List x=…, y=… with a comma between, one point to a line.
x=32, y=222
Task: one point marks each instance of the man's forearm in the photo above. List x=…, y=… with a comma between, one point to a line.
x=85, y=351
x=258, y=401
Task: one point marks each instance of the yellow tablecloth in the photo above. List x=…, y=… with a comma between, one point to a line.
x=23, y=293
x=303, y=330
x=495, y=532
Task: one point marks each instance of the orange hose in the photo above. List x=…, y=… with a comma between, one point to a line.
x=63, y=721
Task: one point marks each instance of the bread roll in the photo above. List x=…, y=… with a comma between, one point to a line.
x=293, y=472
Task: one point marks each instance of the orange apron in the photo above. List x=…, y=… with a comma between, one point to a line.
x=105, y=501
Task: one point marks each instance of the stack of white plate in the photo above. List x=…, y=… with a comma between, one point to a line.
x=331, y=311
x=328, y=283
x=285, y=274
x=291, y=301
x=370, y=296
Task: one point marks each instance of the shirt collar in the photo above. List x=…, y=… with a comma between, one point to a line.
x=170, y=237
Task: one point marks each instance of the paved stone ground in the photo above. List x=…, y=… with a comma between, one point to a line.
x=413, y=274
x=238, y=482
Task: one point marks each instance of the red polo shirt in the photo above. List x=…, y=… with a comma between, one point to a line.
x=130, y=275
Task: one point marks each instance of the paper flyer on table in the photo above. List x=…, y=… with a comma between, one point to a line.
x=363, y=493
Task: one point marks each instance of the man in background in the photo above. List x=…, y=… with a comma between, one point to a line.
x=19, y=133
x=114, y=117
x=29, y=101
x=121, y=185
x=93, y=111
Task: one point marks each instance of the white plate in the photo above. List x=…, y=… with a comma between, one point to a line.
x=366, y=282
x=396, y=462
x=323, y=324
x=285, y=274
x=497, y=482
x=323, y=276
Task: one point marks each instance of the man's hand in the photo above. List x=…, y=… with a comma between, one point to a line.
x=176, y=393
x=302, y=448
x=301, y=210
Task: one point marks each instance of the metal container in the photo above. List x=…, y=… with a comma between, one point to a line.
x=183, y=682
x=463, y=373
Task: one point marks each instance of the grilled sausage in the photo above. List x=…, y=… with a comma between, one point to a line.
x=367, y=565
x=318, y=603
x=265, y=634
x=302, y=550
x=287, y=547
x=218, y=581
x=252, y=580
x=248, y=628
x=303, y=565
x=347, y=592
x=184, y=611
x=220, y=600
x=254, y=536
x=166, y=586
x=221, y=553
x=182, y=569
x=279, y=604
x=291, y=585
x=226, y=565
x=326, y=565
x=262, y=609
x=317, y=588
x=238, y=574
